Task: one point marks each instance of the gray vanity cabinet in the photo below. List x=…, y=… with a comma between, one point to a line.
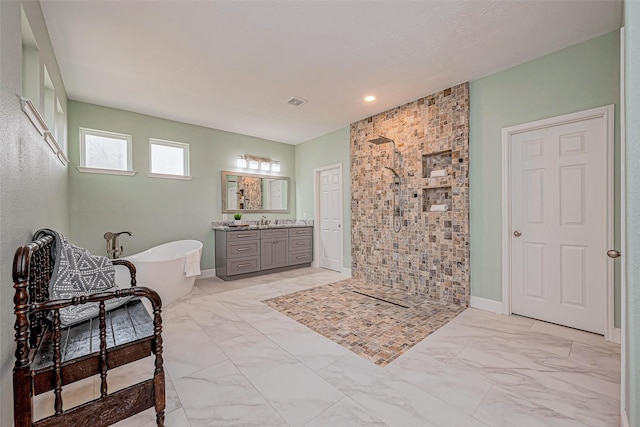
x=252, y=252
x=274, y=249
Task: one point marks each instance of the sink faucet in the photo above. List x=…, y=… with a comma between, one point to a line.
x=114, y=250
x=263, y=220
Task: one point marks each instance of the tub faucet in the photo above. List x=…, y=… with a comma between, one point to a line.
x=114, y=250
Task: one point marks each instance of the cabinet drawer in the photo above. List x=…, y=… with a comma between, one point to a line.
x=299, y=243
x=303, y=257
x=303, y=231
x=239, y=249
x=233, y=236
x=243, y=265
x=270, y=234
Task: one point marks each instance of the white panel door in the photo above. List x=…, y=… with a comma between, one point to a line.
x=274, y=188
x=331, y=219
x=232, y=198
x=559, y=221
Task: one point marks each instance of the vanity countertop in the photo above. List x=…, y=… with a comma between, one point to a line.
x=255, y=225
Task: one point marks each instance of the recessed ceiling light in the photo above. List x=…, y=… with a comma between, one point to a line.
x=369, y=98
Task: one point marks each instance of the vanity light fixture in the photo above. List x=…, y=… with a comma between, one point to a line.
x=241, y=162
x=248, y=161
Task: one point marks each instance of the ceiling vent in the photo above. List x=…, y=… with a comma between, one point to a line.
x=296, y=102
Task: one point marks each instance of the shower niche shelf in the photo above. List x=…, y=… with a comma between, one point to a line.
x=437, y=161
x=436, y=196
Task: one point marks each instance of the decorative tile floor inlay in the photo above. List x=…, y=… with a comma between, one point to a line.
x=374, y=322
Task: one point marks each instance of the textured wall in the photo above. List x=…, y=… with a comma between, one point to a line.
x=430, y=254
x=580, y=77
x=632, y=98
x=159, y=210
x=330, y=149
x=33, y=181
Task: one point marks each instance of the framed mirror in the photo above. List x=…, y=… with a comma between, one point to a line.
x=253, y=193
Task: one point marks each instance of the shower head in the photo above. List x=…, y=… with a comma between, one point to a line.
x=381, y=140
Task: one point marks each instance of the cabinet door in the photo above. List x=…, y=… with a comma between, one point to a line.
x=274, y=253
x=267, y=258
x=282, y=252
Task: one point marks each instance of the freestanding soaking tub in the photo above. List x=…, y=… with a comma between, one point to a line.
x=162, y=268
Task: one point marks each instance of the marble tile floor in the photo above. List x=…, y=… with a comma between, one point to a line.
x=233, y=361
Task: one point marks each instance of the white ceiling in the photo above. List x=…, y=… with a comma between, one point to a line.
x=232, y=65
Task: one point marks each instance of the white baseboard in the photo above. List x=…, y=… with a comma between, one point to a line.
x=486, y=304
x=315, y=264
x=206, y=274
x=346, y=272
x=617, y=335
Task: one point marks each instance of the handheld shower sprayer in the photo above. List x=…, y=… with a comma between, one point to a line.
x=397, y=181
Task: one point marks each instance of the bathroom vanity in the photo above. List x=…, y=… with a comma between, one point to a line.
x=254, y=250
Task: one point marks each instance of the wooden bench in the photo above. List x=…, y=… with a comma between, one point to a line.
x=49, y=356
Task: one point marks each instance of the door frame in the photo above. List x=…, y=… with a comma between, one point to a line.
x=606, y=113
x=623, y=235
x=316, y=222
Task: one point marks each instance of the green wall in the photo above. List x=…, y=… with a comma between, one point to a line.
x=158, y=210
x=577, y=78
x=329, y=149
x=32, y=179
x=632, y=124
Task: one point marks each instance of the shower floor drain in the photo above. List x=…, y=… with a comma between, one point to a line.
x=381, y=299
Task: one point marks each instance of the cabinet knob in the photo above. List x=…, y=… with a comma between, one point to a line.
x=517, y=233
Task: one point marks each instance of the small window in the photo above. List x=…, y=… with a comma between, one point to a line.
x=168, y=159
x=105, y=152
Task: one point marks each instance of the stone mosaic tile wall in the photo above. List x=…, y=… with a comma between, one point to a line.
x=430, y=254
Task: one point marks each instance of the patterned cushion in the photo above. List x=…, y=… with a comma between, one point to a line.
x=77, y=273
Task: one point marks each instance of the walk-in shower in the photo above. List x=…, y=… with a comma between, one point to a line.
x=397, y=181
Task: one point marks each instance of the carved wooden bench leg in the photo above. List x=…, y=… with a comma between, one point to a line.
x=22, y=397
x=158, y=375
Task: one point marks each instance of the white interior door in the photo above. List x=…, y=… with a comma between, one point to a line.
x=560, y=223
x=232, y=198
x=330, y=209
x=275, y=194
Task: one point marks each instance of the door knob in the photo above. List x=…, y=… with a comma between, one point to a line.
x=612, y=253
x=517, y=233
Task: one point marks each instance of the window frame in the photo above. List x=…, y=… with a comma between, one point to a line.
x=175, y=144
x=105, y=134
